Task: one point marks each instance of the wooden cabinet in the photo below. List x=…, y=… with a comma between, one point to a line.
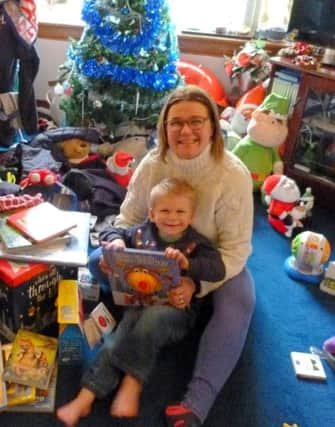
x=309, y=151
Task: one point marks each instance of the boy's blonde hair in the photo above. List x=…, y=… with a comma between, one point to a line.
x=172, y=186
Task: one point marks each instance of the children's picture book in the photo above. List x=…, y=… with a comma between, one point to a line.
x=31, y=360
x=72, y=253
x=44, y=399
x=17, y=394
x=42, y=222
x=141, y=277
x=10, y=237
x=13, y=239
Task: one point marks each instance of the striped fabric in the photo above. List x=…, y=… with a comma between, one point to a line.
x=28, y=7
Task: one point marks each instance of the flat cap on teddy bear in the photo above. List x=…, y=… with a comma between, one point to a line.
x=54, y=140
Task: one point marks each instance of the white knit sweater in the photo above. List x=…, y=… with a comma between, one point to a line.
x=225, y=202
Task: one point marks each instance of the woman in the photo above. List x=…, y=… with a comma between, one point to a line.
x=191, y=147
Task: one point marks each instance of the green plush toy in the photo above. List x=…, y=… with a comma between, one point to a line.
x=266, y=130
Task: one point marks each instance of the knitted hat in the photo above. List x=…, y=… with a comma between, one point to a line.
x=277, y=104
x=271, y=183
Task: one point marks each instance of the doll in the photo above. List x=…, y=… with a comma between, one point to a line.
x=119, y=167
x=266, y=130
x=286, y=209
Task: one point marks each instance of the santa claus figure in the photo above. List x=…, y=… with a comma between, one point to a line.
x=119, y=167
x=285, y=210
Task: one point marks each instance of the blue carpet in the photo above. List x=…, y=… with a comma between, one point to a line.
x=263, y=390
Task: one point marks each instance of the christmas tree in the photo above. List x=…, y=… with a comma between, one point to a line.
x=122, y=67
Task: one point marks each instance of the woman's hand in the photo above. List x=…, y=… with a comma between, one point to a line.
x=178, y=256
x=116, y=245
x=180, y=296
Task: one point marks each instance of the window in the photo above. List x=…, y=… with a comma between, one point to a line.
x=237, y=17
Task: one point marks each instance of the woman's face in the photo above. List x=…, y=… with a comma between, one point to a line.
x=188, y=129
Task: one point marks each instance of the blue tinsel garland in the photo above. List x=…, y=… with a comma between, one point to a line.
x=165, y=79
x=113, y=39
x=151, y=36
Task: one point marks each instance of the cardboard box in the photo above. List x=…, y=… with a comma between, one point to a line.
x=70, y=317
x=74, y=349
x=27, y=294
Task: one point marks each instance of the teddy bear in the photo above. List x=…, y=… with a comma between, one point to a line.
x=266, y=131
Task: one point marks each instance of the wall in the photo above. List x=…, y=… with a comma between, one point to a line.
x=52, y=53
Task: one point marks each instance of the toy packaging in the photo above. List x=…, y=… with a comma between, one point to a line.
x=77, y=344
x=70, y=317
x=27, y=294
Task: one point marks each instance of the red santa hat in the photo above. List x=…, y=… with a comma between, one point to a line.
x=271, y=183
x=120, y=162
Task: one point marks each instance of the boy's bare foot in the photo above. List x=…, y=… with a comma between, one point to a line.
x=79, y=407
x=127, y=400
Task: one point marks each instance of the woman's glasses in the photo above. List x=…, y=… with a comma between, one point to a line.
x=195, y=123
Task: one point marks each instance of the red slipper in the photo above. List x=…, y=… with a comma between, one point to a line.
x=181, y=416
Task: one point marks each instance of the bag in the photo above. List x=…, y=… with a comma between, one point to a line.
x=9, y=117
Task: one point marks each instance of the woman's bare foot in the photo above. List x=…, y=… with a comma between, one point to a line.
x=79, y=407
x=127, y=400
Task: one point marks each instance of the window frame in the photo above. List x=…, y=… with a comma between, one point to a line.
x=189, y=43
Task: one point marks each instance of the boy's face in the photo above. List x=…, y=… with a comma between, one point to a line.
x=172, y=214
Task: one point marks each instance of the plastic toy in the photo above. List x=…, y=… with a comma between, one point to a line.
x=329, y=345
x=286, y=206
x=119, y=167
x=266, y=131
x=309, y=252
x=328, y=283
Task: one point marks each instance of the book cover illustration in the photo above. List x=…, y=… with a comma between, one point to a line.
x=42, y=222
x=141, y=277
x=32, y=359
x=10, y=237
x=17, y=394
x=44, y=400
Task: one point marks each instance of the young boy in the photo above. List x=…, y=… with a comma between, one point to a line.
x=129, y=357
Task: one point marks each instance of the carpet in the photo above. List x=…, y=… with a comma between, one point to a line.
x=262, y=390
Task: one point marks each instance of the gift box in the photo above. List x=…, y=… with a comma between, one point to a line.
x=27, y=294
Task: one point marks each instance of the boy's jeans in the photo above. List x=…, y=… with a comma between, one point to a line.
x=134, y=347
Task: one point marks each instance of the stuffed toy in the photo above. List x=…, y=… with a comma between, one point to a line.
x=75, y=150
x=286, y=209
x=119, y=167
x=240, y=116
x=266, y=130
x=71, y=146
x=39, y=177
